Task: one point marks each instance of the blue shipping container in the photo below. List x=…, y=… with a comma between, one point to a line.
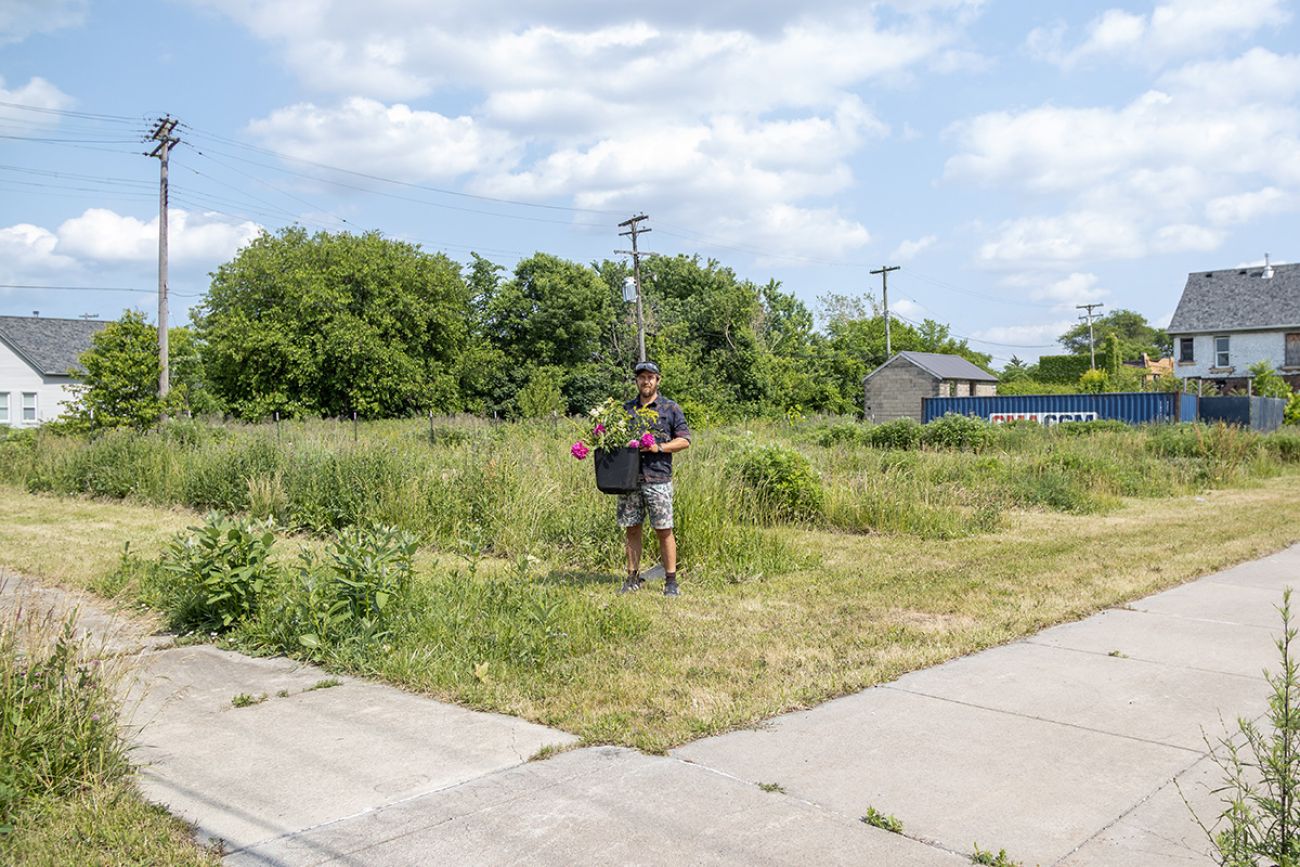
x=1139, y=407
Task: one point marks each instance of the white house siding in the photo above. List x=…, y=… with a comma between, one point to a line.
x=18, y=378
x=1244, y=349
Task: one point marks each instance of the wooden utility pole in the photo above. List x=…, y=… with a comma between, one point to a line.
x=633, y=230
x=883, y=271
x=163, y=134
x=1092, y=348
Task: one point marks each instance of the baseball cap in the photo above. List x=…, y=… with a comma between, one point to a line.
x=646, y=367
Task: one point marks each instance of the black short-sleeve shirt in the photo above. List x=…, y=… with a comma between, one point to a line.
x=657, y=467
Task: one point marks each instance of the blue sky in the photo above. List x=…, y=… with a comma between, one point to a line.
x=1014, y=158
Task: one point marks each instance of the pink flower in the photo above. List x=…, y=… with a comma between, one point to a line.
x=579, y=450
x=600, y=429
x=633, y=443
x=647, y=440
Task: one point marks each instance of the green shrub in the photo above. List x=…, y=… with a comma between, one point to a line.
x=351, y=591
x=786, y=485
x=1291, y=415
x=218, y=572
x=1084, y=428
x=953, y=431
x=58, y=714
x=1285, y=444
x=1064, y=369
x=844, y=434
x=900, y=433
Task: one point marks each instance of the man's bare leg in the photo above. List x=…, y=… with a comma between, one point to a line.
x=633, y=546
x=668, y=549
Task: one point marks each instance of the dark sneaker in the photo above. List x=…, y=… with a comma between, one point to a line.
x=670, y=589
x=632, y=584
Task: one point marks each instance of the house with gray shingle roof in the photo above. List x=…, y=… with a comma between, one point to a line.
x=895, y=389
x=39, y=365
x=1228, y=320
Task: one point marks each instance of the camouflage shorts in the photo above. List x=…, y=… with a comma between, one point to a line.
x=655, y=498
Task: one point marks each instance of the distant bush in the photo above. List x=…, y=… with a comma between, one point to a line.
x=900, y=433
x=1084, y=428
x=954, y=431
x=1285, y=444
x=784, y=480
x=1032, y=386
x=844, y=434
x=1065, y=369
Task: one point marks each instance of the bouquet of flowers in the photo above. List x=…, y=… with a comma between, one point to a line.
x=612, y=427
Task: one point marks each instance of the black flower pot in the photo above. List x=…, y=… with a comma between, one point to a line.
x=616, y=470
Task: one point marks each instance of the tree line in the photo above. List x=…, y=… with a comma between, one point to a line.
x=331, y=324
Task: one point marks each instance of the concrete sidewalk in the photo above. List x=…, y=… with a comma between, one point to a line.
x=1062, y=748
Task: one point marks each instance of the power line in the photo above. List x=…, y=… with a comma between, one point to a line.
x=981, y=340
x=374, y=177
x=63, y=112
x=88, y=289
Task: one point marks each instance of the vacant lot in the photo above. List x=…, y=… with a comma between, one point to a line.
x=911, y=556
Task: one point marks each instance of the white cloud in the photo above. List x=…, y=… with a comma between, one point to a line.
x=1039, y=336
x=1071, y=237
x=1139, y=178
x=395, y=140
x=674, y=106
x=1244, y=207
x=37, y=93
x=1065, y=292
x=1185, y=237
x=22, y=18
x=104, y=235
x=909, y=250
x=909, y=309
x=1175, y=27
x=26, y=250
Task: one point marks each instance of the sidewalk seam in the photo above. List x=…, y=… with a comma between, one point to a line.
x=1040, y=719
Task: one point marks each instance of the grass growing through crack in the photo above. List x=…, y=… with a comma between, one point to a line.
x=883, y=821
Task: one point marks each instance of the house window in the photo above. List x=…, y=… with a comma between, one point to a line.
x=1185, y=352
x=4, y=407
x=29, y=406
x=1220, y=352
x=1292, y=350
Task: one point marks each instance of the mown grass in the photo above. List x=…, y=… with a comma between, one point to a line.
x=652, y=673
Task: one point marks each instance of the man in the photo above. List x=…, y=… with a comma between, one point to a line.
x=655, y=494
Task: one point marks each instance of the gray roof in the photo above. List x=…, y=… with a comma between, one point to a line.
x=941, y=366
x=1238, y=299
x=50, y=346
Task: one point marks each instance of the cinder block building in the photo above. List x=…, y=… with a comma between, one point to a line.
x=895, y=388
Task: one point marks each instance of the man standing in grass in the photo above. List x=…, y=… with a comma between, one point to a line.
x=654, y=496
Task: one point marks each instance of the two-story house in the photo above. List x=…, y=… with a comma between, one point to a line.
x=1228, y=320
x=38, y=365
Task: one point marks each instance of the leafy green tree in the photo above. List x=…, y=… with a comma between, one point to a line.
x=332, y=324
x=540, y=397
x=120, y=385
x=1267, y=382
x=1134, y=333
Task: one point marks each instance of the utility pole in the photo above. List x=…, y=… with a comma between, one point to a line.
x=883, y=271
x=163, y=134
x=633, y=230
x=1092, y=347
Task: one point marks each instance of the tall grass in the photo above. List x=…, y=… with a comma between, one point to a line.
x=512, y=489
x=58, y=726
